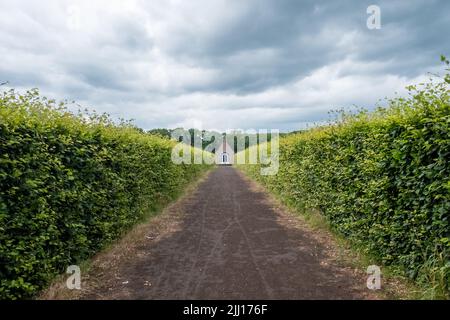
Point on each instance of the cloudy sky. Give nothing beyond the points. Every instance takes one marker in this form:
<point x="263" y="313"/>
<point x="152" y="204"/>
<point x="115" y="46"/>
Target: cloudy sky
<point x="220" y="64"/>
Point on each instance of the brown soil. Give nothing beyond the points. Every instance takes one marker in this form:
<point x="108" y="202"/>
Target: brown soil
<point x="226" y="240"/>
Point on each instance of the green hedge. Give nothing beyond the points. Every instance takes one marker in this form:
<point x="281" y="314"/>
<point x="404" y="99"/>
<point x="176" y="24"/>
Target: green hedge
<point x="69" y="185"/>
<point x="381" y="179"/>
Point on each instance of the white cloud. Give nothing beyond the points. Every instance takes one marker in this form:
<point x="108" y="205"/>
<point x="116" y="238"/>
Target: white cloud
<point x="215" y="64"/>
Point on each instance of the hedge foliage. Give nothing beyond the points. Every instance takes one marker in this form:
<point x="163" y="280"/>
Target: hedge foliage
<point x="381" y="179"/>
<point x="69" y="185"/>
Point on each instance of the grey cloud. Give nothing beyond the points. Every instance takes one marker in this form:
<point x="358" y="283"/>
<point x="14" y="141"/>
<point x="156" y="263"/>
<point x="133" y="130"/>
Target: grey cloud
<point x="164" y="64"/>
<point x="280" y="25"/>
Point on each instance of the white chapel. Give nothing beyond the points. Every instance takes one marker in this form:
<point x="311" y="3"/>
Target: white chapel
<point x="224" y="153"/>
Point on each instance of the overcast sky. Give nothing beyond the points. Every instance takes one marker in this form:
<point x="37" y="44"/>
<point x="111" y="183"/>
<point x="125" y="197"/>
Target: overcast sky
<point x="220" y="64"/>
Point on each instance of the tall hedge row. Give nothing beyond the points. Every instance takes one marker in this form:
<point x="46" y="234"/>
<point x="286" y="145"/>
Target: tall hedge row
<point x="71" y="184"/>
<point x="381" y="179"/>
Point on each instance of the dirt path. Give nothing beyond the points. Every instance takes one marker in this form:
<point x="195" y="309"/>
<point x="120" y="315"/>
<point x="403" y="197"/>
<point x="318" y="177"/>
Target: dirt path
<point x="225" y="241"/>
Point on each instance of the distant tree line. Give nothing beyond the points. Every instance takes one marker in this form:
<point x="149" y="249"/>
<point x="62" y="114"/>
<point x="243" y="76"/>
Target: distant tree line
<point x="232" y="137"/>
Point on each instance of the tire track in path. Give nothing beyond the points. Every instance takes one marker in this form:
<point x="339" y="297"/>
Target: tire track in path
<point x="228" y="241"/>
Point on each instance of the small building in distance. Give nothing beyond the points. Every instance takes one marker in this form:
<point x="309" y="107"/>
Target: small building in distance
<point x="224" y="153"/>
